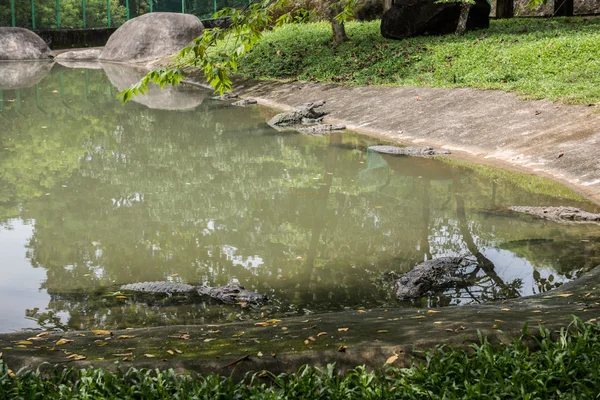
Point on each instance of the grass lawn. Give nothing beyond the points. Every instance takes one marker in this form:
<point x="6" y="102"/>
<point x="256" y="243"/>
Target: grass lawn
<point x="556" y="59"/>
<point x="564" y="366"/>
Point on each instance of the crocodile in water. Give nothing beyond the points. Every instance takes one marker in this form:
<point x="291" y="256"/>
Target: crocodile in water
<point x="409" y="151"/>
<point x="559" y="214"/>
<point x="228" y="294"/>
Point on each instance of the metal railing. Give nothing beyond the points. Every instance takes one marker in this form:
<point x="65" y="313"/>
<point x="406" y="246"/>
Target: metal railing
<point x="82" y="14"/>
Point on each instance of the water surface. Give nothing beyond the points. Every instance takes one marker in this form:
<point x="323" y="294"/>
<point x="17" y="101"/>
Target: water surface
<point x="94" y="194"/>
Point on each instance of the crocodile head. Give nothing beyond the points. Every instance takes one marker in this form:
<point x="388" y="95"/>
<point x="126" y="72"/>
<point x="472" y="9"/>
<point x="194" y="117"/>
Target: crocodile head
<point x="235" y="294"/>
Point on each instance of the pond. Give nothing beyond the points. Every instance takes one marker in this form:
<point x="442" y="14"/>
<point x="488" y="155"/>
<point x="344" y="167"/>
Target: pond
<point x="179" y="187"/>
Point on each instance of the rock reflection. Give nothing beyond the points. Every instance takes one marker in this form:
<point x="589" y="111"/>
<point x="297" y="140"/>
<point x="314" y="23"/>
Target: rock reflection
<point x="22" y="74"/>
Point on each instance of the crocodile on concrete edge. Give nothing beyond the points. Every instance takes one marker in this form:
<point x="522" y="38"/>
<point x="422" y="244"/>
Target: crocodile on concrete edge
<point x="302" y="112"/>
<point x="228" y="294"/>
<point x="558" y="214"/>
<point x="432" y="276"/>
<point x="408" y="151"/>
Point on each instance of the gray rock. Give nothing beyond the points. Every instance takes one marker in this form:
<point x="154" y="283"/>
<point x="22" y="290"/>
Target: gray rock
<point x="320" y="129"/>
<point x="20" y="44"/>
<point x="229" y="294"/>
<point x="433" y="276"/>
<point x="79" y="55"/>
<point x="408" y="151"/>
<point x="91" y="64"/>
<point x="244" y="103"/>
<point x="559" y="214"/>
<point x="180" y="97"/>
<point x="17" y="75"/>
<point x="151" y="36"/>
<point x="294" y="118"/>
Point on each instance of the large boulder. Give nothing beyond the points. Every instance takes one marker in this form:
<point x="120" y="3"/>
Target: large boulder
<point x="22" y="44"/>
<point x="409" y="18"/>
<point x="150" y="37"/>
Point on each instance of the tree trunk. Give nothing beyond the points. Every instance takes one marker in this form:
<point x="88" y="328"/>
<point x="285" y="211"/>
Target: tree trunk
<point x="387" y="4"/>
<point x="462" y="19"/>
<point x="339" y="31"/>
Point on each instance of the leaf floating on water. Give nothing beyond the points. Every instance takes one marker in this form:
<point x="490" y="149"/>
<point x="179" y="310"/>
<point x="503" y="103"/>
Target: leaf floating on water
<point x="24" y="342"/>
<point x="432" y="311"/>
<point x="342" y="348"/>
<point x="342" y="329"/>
<point x="392" y="359"/>
<point x="382" y="331"/>
<point x="125" y="337"/>
<point x="149" y="355"/>
<point x="64" y="341"/>
<point x="42" y="334"/>
<point x="100" y="332"/>
<point x="321" y="334"/>
<point x="171" y="352"/>
<point x="262" y="324"/>
<point x="565" y="295"/>
<point x="505" y="309"/>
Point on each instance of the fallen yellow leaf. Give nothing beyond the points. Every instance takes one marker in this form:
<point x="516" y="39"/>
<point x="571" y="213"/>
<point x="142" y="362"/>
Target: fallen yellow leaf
<point x="420" y="317"/>
<point x="306" y="341"/>
<point x="125" y="337"/>
<point x="237" y="334"/>
<point x="171" y="352"/>
<point x="100" y="332"/>
<point x="123" y="354"/>
<point x="342" y="329"/>
<point x="260" y="354"/>
<point x="24" y="342"/>
<point x="382" y="331"/>
<point x="149" y="355"/>
<point x="392" y="359"/>
<point x="274" y="321"/>
<point x="120" y="297"/>
<point x="64" y="341"/>
<point x="208" y="340"/>
<point x="262" y="324"/>
<point x="432" y="311"/>
<point x="311" y="338"/>
<point x="178" y="351"/>
<point x="505" y="309"/>
<point x="321" y="334"/>
<point x="494" y="326"/>
<point x="342" y="348"/>
<point x="42" y="334"/>
<point x="360" y="311"/>
<point x="565" y="295"/>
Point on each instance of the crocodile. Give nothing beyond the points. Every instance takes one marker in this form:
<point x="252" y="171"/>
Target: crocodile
<point x="408" y="151"/>
<point x="320" y="129"/>
<point x="432" y="276"/>
<point x="229" y="294"/>
<point x="302" y="112"/>
<point x="559" y="214"/>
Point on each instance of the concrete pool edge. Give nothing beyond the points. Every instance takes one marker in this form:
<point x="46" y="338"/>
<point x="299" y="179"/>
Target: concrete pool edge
<point x="552" y="140"/>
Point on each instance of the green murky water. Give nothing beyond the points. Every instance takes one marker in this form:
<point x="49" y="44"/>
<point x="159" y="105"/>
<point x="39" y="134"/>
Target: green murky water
<point x="94" y="194"/>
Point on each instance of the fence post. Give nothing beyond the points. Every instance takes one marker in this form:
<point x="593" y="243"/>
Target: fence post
<point x="183" y="6"/>
<point x="33" y="14"/>
<point x="108" y="12"/>
<point x="12" y="13"/>
<point x="58" y="14"/>
<point x="84" y="14"/>
<point x="214" y="7"/>
<point x="127" y="10"/>
<point x="151" y="5"/>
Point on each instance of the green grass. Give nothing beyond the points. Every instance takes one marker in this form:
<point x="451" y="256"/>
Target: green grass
<point x="556" y="59"/>
<point x="564" y="366"/>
